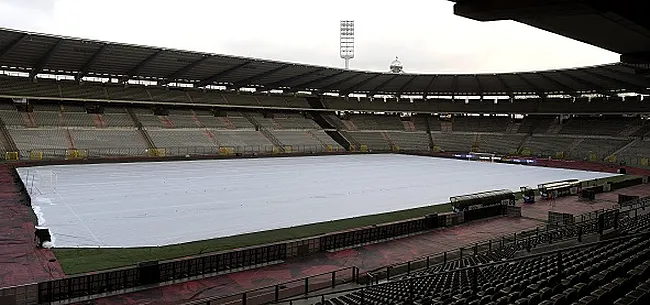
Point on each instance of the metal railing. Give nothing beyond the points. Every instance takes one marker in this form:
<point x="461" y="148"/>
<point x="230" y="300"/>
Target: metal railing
<point x="409" y="282"/>
<point x="276" y="292"/>
<point x="508" y="241"/>
<point x="185" y="151"/>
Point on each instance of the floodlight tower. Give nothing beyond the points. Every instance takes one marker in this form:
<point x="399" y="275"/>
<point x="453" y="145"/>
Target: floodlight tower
<point x="347" y="41"/>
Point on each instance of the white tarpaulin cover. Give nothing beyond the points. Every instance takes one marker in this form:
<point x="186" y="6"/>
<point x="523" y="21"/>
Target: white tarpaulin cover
<point x="159" y="203"/>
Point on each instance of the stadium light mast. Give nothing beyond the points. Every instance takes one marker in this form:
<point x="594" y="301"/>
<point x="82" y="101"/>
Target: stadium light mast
<point x="347" y="41"/>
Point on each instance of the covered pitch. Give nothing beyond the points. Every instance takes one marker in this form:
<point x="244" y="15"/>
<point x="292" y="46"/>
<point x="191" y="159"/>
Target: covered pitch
<point x="160" y="203"/>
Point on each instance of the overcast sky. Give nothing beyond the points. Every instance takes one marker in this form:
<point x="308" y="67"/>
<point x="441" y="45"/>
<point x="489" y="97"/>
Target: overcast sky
<point x="425" y="34"/>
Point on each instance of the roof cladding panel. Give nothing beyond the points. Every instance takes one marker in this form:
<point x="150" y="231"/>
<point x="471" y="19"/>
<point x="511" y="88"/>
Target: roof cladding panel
<point x="375" y="82"/>
<point x="313" y="78"/>
<point x="467" y="84"/>
<point x="22" y="51"/>
<point x="516" y="84"/>
<point x="337" y="78"/>
<point x="29" y="51"/>
<point x="119" y="59"/>
<point x="167" y="62"/>
<point x="622" y="75"/>
<point x="253" y="69"/>
<point x="567" y="81"/>
<point x="419" y="84"/>
<point x="286" y="73"/>
<point x="593" y="79"/>
<point x="541" y="82"/>
<point x="212" y="66"/>
<point x="71" y="55"/>
<point x="396" y="83"/>
<point x="491" y="84"/>
<point x="442" y="85"/>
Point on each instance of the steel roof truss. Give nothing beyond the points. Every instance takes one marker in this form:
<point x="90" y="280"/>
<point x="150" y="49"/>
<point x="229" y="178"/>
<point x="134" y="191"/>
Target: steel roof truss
<point x="566" y="89"/>
<point x="401" y="89"/>
<point x="12" y="44"/>
<point x="138" y="68"/>
<point x="38" y="67"/>
<point x="509" y="91"/>
<point x="599" y="89"/>
<point x="285" y="81"/>
<point x="256" y="77"/>
<point x="223" y="73"/>
<point x="93" y="59"/>
<point x="180" y="72"/>
<point x="354" y="87"/>
<point x="538" y="90"/>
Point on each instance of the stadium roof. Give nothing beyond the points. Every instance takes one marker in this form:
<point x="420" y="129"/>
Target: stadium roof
<point x="620" y="26"/>
<point x="47" y="54"/>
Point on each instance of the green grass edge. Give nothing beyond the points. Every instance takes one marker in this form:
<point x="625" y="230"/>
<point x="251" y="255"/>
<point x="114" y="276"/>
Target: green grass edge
<point x="84" y="260"/>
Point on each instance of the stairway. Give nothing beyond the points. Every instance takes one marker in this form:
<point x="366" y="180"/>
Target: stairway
<point x="6" y="139"/>
<point x="446" y="126"/>
<point x="313" y="136"/>
<point x="388" y="140"/>
<point x="554" y="128"/>
<point x="618" y="151"/>
<point x="513" y="127"/>
<point x="575" y="144"/>
<point x="428" y="126"/>
<point x="227" y="122"/>
<point x="522" y="143"/>
<point x="143" y="132"/>
<point x="349" y="125"/>
<point x="408" y="125"/>
<point x="265" y="132"/>
<point x="330" y="127"/>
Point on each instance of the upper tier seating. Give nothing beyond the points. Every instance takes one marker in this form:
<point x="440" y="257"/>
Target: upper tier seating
<point x="376" y="122"/>
<point x="605" y="126"/>
<point x="480" y="124"/>
<point x="109" y="142"/>
<point x="499" y="143"/>
<point x="373" y="140"/>
<point x="536" y="124"/>
<point x="453" y="142"/>
<point x="418" y="141"/>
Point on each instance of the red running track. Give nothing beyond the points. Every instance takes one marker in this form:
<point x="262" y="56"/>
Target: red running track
<point x="21" y="262"/>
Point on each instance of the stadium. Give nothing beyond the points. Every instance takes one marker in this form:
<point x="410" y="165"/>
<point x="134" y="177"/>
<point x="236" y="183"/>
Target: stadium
<point x="146" y="175"/>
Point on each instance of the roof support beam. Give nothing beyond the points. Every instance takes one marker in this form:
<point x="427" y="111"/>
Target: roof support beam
<point x="38" y="67"/>
<point x="480" y="86"/>
<point x="354" y="87"/>
<point x="249" y="80"/>
<point x="538" y="90"/>
<point x="599" y="89"/>
<point x="337" y="83"/>
<point x="429" y="86"/>
<point x="454" y="87"/>
<point x="180" y="72"/>
<point x="509" y="91"/>
<point x="401" y="89"/>
<point x="310" y="83"/>
<point x="137" y="68"/>
<point x="221" y="74"/>
<point x="11" y="45"/>
<point x="93" y="59"/>
<point x="285" y="81"/>
<point x="374" y="90"/>
<point x="622" y="83"/>
<point x="566" y="89"/>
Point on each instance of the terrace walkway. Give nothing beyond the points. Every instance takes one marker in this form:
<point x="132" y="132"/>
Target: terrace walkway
<point x="21" y="262"/>
<point x="366" y="258"/>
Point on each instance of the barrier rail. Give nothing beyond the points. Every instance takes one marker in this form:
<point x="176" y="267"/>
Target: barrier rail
<point x="99" y="153"/>
<point x="588" y="224"/>
<point x="274" y="293"/>
<point x="322" y="298"/>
